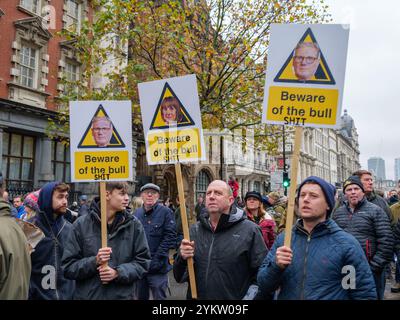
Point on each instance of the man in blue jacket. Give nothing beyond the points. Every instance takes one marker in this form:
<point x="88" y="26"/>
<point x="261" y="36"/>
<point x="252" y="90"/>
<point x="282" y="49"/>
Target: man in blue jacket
<point x="159" y="226"/>
<point x="47" y="277"/>
<point x="324" y="262"/>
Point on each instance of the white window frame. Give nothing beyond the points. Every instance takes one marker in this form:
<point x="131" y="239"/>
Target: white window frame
<point x="71" y="71"/>
<point x="31" y="67"/>
<point x="30" y="5"/>
<point x="74" y="18"/>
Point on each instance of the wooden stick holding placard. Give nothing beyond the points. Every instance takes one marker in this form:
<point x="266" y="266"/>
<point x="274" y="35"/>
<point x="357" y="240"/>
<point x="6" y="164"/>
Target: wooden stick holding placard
<point x="103" y="206"/>
<point x="185" y="227"/>
<point x="293" y="183"/>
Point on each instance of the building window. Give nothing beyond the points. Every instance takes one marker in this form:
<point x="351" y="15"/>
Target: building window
<point x="28" y="59"/>
<point x="31" y="5"/>
<point x="256" y="186"/>
<point x="71" y="75"/>
<point x="60" y="162"/>
<point x="18" y="160"/>
<point x="71" y="71"/>
<point x="73" y="14"/>
<point x="202" y="182"/>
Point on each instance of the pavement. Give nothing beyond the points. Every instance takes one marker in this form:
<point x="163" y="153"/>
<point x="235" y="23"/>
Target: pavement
<point x="178" y="290"/>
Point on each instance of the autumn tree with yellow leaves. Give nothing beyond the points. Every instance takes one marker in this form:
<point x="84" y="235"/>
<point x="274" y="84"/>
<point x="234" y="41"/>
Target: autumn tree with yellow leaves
<point x="223" y="42"/>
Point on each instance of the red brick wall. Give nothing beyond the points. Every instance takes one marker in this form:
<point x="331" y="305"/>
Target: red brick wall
<point x="7" y="36"/>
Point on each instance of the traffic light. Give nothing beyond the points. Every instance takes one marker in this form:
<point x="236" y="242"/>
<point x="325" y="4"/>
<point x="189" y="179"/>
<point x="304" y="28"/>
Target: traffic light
<point x="286" y="180"/>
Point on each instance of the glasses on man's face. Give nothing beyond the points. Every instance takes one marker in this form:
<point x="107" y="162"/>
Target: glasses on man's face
<point x="150" y="192"/>
<point x="307" y="60"/>
<point x="101" y="129"/>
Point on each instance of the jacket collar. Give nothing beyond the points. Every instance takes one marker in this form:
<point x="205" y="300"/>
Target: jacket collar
<point x="226" y="220"/>
<point x="120" y="220"/>
<point x="321" y="229"/>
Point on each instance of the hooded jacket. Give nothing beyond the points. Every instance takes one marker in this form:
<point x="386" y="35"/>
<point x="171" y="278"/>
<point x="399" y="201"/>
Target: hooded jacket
<point x="15" y="263"/>
<point x="371" y="227"/>
<point x="225" y="260"/>
<point x="47" y="279"/>
<point x="317" y="270"/>
<point x="130" y="255"/>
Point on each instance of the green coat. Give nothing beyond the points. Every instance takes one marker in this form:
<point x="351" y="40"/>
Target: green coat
<point x="15" y="262"/>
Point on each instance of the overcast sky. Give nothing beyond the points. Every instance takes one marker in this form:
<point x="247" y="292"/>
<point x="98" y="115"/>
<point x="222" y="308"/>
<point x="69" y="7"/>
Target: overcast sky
<point x="372" y="83"/>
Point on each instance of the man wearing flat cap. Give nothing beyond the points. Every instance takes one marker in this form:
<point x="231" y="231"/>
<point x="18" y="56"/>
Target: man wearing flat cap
<point x="159" y="226"/>
<point x="312" y="267"/>
<point x="369" y="224"/>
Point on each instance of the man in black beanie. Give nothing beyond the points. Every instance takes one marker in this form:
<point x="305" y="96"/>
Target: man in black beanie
<point x="323" y="262"/>
<point x="369" y="224"/>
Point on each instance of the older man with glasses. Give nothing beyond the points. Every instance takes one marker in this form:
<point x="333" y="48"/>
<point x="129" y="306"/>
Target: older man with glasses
<point x="306" y="60"/>
<point x="159" y="226"/>
<point x="102" y="129"/>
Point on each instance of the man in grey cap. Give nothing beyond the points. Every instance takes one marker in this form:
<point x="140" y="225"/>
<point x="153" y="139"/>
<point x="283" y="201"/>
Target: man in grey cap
<point x="159" y="226"/>
<point x="83" y="205"/>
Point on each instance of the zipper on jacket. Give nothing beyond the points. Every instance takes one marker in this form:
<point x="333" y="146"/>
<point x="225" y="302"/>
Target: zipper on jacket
<point x="305" y="267"/>
<point x="56" y="275"/>
<point x="209" y="259"/>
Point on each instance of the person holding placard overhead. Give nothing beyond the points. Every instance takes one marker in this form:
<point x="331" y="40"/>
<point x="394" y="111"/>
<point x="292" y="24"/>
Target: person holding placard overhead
<point x="110" y="272"/>
<point x="323" y="262"/>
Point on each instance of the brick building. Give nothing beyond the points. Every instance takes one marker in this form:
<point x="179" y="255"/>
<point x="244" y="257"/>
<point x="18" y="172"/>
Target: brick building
<point x="33" y="61"/>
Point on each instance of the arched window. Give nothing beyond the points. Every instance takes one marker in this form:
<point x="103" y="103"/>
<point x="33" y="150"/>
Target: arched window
<point x="202" y="182"/>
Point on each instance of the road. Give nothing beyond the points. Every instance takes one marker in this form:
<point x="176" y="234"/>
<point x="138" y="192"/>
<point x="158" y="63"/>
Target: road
<point x="178" y="291"/>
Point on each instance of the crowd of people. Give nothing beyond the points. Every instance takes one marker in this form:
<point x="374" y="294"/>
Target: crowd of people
<point x="343" y="243"/>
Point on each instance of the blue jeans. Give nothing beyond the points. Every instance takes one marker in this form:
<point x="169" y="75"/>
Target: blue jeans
<point x="380" y="282"/>
<point x="156" y="283"/>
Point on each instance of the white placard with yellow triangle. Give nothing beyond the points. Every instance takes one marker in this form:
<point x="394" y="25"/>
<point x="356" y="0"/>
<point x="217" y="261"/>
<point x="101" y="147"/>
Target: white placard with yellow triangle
<point x="312" y="94"/>
<point x="175" y="136"/>
<point x="91" y="162"/>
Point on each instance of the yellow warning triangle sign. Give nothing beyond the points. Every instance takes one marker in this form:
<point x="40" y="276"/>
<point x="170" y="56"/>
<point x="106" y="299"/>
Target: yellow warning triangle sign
<point x="106" y="135"/>
<point x="307" y="72"/>
<point x="170" y="111"/>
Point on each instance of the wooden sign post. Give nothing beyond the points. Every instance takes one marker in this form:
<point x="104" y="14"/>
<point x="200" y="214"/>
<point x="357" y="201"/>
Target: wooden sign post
<point x="304" y="85"/>
<point x="292" y="190"/>
<point x="185" y="227"/>
<point x="103" y="205"/>
<point x="176" y="137"/>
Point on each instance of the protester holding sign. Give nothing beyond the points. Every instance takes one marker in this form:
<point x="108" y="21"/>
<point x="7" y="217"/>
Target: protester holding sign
<point x="110" y="272"/>
<point x="324" y="262"/>
<point x="227" y="249"/>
